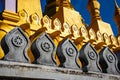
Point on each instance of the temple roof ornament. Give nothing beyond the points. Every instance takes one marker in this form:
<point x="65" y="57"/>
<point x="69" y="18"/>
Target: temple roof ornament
<point x="66" y="3"/>
<point x="117" y="15"/>
<point x="94" y="8"/>
<point x="97" y="24"/>
<point x="116" y="5"/>
<point x="117" y="9"/>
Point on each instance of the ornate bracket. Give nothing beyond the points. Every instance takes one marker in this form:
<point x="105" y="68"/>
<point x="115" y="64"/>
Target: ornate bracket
<point x="15" y="45"/>
<point x="84" y="34"/>
<point x="99" y="42"/>
<point x="65" y="31"/>
<point x="68" y="55"/>
<point x="108" y="61"/>
<point x="92" y="36"/>
<point x="43" y="49"/>
<point x="89" y="58"/>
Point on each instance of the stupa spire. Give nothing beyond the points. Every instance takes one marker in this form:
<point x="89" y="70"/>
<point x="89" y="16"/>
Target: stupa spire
<point x="117" y="9"/>
<point x="117" y="15"/>
<point x="66" y="3"/>
<point x="96" y="21"/>
<point x="116" y="5"/>
<point x="94" y="9"/>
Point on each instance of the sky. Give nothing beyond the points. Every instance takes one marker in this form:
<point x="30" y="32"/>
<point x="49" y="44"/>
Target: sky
<point x="106" y="11"/>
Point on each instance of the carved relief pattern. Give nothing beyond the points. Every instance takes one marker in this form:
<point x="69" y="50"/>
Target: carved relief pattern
<point x="43" y="49"/>
<point x="15" y="45"/>
<point x="68" y="55"/>
<point x="18" y="40"/>
<point x="45" y="46"/>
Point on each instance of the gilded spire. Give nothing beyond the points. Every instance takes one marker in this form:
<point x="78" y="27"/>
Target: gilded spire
<point x="117" y="15"/>
<point x="117" y="9"/>
<point x="94" y="7"/>
<point x="66" y="3"/>
<point x="96" y="21"/>
<point x="116" y="5"/>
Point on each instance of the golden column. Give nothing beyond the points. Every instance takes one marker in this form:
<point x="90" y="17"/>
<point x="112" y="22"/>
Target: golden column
<point x="96" y="21"/>
<point x="117" y="15"/>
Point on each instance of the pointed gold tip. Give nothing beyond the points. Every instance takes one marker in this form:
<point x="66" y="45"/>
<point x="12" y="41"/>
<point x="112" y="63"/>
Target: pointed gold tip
<point x="116" y="5"/>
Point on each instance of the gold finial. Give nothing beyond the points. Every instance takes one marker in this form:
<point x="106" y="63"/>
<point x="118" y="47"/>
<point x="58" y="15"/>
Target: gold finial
<point x="116" y="5"/>
<point x="94" y="7"/>
<point x="117" y="9"/>
<point x="117" y="16"/>
<point x="96" y="21"/>
<point x="66" y="3"/>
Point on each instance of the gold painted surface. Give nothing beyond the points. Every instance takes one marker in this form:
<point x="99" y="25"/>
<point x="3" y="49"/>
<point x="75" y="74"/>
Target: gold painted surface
<point x="70" y="16"/>
<point x="31" y="6"/>
<point x="101" y="26"/>
<point x="73" y="17"/>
